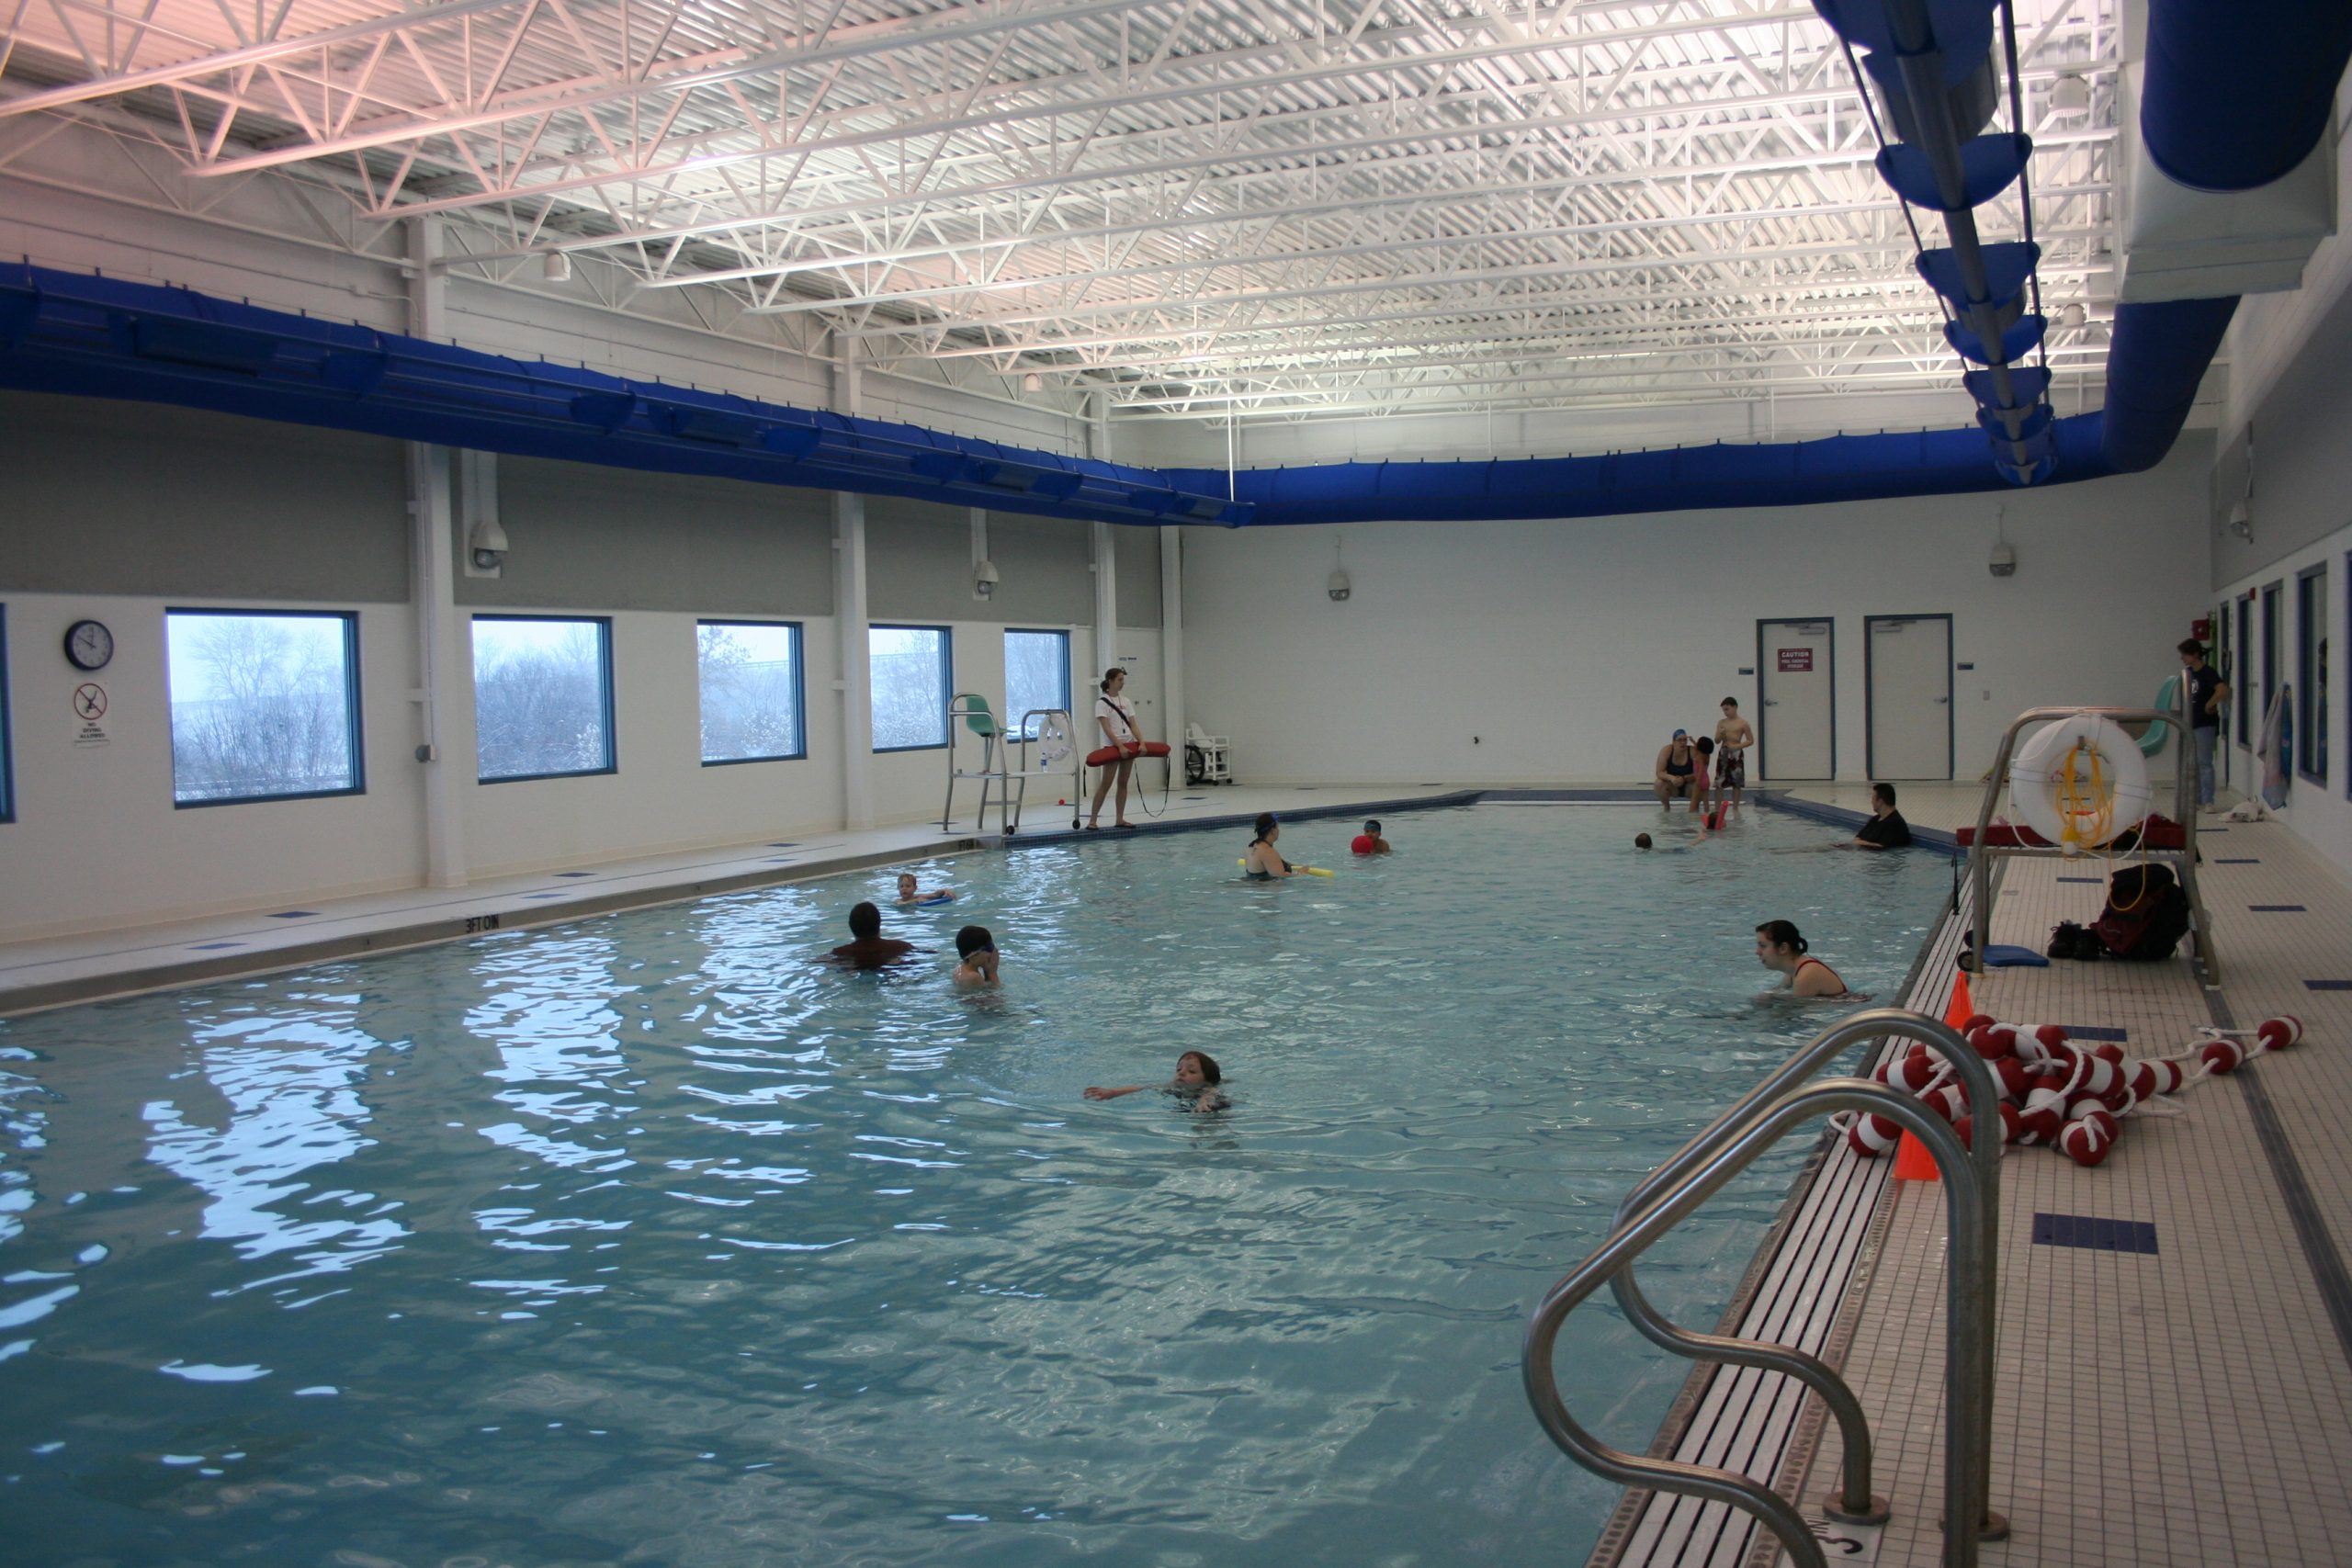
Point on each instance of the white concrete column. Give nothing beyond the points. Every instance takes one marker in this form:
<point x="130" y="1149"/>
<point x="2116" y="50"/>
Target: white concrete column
<point x="1171" y="633"/>
<point x="856" y="683"/>
<point x="1106" y="600"/>
<point x="443" y="677"/>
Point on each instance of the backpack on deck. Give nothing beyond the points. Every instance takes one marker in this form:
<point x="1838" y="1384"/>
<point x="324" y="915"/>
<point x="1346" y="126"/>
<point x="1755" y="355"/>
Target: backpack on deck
<point x="2146" y="914"/>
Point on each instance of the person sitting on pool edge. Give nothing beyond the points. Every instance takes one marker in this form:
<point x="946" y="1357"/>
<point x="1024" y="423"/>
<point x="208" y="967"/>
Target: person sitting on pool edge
<point x="977" y="948"/>
<point x="909" y="893"/>
<point x="1886" y="830"/>
<point x="1197" y="1078"/>
<point x="870" y="949"/>
<point x="1261" y="864"/>
<point x="1368" y="841"/>
<point x="1674" y="776"/>
<point x="1778" y="947"/>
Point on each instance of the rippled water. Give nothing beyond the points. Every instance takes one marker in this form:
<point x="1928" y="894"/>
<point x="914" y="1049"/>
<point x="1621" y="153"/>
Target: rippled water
<point x="648" y="1240"/>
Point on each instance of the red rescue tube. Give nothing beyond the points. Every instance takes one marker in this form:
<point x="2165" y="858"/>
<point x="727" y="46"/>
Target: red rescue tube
<point x="1104" y="756"/>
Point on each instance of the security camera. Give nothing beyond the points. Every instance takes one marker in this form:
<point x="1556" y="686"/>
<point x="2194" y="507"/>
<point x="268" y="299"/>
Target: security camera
<point x="487" y="540"/>
<point x="984" y="580"/>
<point x="1340" y="587"/>
<point x="2004" y="562"/>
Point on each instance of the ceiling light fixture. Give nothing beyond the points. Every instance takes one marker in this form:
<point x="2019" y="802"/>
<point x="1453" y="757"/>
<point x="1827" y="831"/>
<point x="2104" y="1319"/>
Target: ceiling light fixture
<point x="2071" y="94"/>
<point x="555" y="266"/>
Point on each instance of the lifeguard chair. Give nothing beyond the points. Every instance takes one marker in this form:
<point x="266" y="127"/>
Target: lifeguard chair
<point x="1007" y="758"/>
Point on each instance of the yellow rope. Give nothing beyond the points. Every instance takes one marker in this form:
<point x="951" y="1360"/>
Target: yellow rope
<point x="2080" y="798"/>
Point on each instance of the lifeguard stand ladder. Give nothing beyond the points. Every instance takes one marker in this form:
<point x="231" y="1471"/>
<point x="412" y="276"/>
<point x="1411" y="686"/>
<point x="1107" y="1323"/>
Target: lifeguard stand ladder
<point x="1006" y="759"/>
<point x="2183" y="860"/>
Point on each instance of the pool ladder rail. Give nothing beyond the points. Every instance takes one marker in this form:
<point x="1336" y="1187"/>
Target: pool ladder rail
<point x="1701" y="1168"/>
<point x="1981" y="854"/>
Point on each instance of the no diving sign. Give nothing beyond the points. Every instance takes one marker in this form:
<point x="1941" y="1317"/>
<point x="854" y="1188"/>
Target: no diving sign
<point x="89" y="714"/>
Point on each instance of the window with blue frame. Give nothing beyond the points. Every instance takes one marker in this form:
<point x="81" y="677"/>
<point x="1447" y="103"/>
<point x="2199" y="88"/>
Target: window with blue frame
<point x="912" y="673"/>
<point x="750" y="682"/>
<point x="2311" y="672"/>
<point x="1036" y="675"/>
<point x="2243" y="693"/>
<point x="543" y="697"/>
<point x="264" y="704"/>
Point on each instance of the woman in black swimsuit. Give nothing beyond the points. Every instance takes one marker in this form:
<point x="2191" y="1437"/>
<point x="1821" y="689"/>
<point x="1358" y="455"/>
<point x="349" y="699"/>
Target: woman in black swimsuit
<point x="1676" y="774"/>
<point x="1262" y="864"/>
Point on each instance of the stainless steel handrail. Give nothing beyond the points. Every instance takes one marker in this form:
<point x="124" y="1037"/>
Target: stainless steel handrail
<point x="1968" y="1319"/>
<point x="1854" y="1501"/>
<point x="1981" y="854"/>
<point x="1703" y="1165"/>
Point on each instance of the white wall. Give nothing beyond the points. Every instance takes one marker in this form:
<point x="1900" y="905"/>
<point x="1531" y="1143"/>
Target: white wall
<point x="118" y="510"/>
<point x="97" y="841"/>
<point x="1571" y="650"/>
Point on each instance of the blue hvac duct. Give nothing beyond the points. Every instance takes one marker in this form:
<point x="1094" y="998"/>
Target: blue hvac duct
<point x="108" y="338"/>
<point x="2238" y="95"/>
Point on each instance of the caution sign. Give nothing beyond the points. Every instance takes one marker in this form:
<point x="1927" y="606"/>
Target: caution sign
<point x="1795" y="660"/>
<point x="89" y="714"/>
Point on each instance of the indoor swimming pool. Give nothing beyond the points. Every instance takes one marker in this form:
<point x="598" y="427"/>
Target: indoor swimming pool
<point x="650" y="1239"/>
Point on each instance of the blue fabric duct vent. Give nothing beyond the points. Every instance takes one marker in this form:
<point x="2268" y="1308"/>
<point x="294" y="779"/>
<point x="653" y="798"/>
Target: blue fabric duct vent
<point x="1931" y="62"/>
<point x="104" y="337"/>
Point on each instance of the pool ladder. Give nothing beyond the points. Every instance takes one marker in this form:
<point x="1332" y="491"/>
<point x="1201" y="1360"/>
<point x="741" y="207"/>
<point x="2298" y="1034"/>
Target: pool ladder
<point x="1701" y="1167"/>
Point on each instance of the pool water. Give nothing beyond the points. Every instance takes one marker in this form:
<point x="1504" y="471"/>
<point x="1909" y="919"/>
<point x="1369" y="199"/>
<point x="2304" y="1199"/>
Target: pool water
<point x="646" y="1239"/>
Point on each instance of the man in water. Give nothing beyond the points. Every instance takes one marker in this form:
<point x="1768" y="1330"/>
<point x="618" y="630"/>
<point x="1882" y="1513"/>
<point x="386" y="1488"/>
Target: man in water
<point x="1886" y="830"/>
<point x="870" y="949"/>
<point x="1368" y="841"/>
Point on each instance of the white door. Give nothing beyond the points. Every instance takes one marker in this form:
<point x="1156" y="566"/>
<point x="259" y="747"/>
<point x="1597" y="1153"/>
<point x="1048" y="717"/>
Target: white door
<point x="1138" y="655"/>
<point x="1796" y="728"/>
<point x="1909" y="674"/>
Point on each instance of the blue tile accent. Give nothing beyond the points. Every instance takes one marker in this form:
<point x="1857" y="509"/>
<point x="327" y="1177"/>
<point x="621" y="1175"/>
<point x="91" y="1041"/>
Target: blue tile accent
<point x="2202" y="831"/>
<point x="2239" y="860"/>
<point x="787" y="844"/>
<point x="2277" y="908"/>
<point x="2099" y="1235"/>
<point x="575" y="873"/>
<point x="295" y="915"/>
<point x="2328" y="985"/>
<point x="2097" y="1031"/>
<point x="2094" y="881"/>
<point x="213" y="946"/>
<point x="544" y="894"/>
<point x="782" y="860"/>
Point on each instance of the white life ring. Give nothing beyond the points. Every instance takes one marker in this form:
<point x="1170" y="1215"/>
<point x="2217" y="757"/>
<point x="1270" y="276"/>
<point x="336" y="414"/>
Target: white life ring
<point x="1054" y="743"/>
<point x="2079" y="782"/>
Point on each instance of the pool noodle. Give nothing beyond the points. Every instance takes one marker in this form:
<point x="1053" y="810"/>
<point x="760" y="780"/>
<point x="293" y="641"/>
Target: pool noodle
<point x="1295" y="870"/>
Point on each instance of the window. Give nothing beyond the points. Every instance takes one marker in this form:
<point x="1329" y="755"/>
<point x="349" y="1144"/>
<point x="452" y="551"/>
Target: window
<point x="912" y="677"/>
<point x="2269" y="651"/>
<point x="2243" y="693"/>
<point x="1036" y="675"/>
<point x="751" y="691"/>
<point x="543" y="697"/>
<point x="2311" y="672"/>
<point x="7" y="784"/>
<point x="264" y="704"/>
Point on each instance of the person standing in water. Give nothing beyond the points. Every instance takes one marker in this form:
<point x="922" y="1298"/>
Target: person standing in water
<point x="1780" y="947"/>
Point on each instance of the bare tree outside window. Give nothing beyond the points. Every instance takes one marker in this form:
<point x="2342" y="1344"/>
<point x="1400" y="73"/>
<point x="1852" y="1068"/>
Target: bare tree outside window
<point x="910" y="675"/>
<point x="263" y="706"/>
<point x="751" y="691"/>
<point x="540" y="697"/>
<point x="1036" y="675"/>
